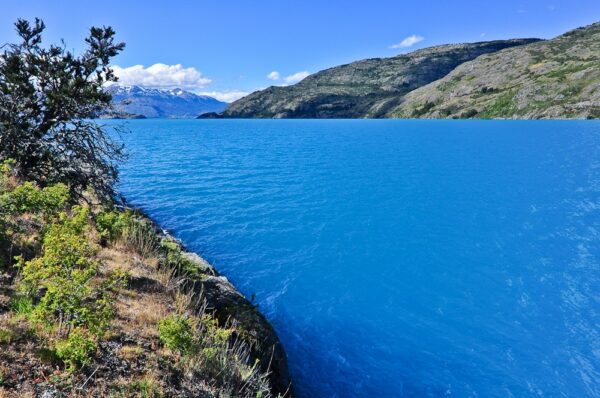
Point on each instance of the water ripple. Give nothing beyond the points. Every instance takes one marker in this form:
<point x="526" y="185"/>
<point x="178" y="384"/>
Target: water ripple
<point x="397" y="258"/>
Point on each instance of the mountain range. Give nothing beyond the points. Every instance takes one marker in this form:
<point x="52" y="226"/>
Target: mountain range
<point x="519" y="78"/>
<point x="140" y="102"/>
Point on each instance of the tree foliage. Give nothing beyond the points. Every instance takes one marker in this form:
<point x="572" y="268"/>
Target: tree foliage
<point x="48" y="96"/>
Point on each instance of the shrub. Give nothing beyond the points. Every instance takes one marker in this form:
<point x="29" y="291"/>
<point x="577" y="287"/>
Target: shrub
<point x="113" y="224"/>
<point x="420" y="111"/>
<point x="137" y="233"/>
<point x="215" y="344"/>
<point x="27" y="197"/>
<point x="177" y="333"/>
<point x="17" y="199"/>
<point x="140" y="236"/>
<point x="18" y="235"/>
<point x="76" y="349"/>
<point x="63" y="275"/>
<point x="6" y="171"/>
<point x="70" y="300"/>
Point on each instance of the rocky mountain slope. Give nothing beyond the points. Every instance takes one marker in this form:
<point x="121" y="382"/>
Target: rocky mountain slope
<point x="135" y="101"/>
<point x="366" y="88"/>
<point x="558" y="78"/>
<point x="526" y="79"/>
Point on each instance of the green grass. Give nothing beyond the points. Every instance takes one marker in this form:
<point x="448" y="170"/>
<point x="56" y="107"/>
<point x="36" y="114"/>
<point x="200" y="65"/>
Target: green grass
<point x="6" y="336"/>
<point x="561" y="74"/>
<point x="504" y="106"/>
<point x="22" y="306"/>
<point x="146" y="387"/>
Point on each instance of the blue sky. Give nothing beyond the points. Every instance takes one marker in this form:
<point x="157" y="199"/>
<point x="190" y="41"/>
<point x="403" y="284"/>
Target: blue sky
<point x="231" y="46"/>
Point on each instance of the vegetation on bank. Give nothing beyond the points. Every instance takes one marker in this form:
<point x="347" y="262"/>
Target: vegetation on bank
<point x="74" y="271"/>
<point x="94" y="301"/>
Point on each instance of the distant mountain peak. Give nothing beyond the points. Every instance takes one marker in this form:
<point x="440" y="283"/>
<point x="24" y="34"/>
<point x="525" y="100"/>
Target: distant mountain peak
<point x="160" y="102"/>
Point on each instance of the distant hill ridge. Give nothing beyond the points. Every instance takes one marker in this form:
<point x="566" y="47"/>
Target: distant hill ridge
<point x="520" y="78"/>
<point x="136" y="101"/>
<point x="552" y="79"/>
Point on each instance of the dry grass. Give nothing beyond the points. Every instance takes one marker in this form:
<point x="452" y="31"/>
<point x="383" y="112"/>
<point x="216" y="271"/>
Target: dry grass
<point x="29" y="393"/>
<point x="116" y="258"/>
<point x="156" y="289"/>
<point x="140" y="315"/>
<point x="147" y="386"/>
<point x="130" y="353"/>
<point x="138" y="312"/>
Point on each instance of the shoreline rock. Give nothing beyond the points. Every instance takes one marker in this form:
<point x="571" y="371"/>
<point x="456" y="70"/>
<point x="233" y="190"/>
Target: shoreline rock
<point x="228" y="304"/>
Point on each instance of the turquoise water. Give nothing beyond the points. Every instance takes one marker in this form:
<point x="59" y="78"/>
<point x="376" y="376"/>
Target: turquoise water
<point x="396" y="258"/>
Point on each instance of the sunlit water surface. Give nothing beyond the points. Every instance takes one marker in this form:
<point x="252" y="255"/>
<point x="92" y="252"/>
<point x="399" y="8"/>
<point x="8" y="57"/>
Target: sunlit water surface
<point x="396" y="258"/>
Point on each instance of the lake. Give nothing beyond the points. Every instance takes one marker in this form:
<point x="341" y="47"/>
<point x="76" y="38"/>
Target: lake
<point x="396" y="258"/>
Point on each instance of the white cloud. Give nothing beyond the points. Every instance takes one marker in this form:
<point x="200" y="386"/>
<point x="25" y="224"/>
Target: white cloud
<point x="161" y="76"/>
<point x="226" y="96"/>
<point x="296" y="77"/>
<point x="273" y="75"/>
<point x="408" y="42"/>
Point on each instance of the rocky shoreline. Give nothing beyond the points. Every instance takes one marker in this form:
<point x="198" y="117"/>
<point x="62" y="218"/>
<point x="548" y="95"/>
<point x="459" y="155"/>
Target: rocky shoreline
<point x="175" y="327"/>
<point x="228" y="304"/>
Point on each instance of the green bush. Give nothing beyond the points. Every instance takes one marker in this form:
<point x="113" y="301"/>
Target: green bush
<point x="113" y="224"/>
<point x="77" y="349"/>
<point x="70" y="300"/>
<point x="177" y="333"/>
<point x="18" y="199"/>
<point x="29" y="198"/>
<point x="137" y="233"/>
<point x="214" y="352"/>
<point x="62" y="277"/>
<point x="6" y="168"/>
<point x="420" y="111"/>
<point x="215" y="344"/>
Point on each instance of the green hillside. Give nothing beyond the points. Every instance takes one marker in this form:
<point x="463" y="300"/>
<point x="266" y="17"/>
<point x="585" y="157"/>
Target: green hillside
<point x="558" y="78"/>
<point x="367" y="88"/>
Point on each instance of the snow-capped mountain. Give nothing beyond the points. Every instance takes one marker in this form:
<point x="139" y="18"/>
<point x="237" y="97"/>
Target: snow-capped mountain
<point x="157" y="103"/>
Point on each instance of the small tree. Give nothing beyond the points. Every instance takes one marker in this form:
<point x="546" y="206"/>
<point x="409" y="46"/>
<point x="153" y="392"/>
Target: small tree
<point x="47" y="98"/>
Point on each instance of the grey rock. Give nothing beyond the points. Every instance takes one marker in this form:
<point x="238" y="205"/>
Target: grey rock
<point x="522" y="78"/>
<point x="366" y="88"/>
<point x="558" y="78"/>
